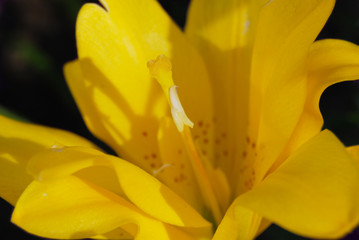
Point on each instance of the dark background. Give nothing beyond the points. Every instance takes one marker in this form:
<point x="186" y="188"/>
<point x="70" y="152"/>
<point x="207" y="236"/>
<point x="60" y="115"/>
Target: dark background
<point x="37" y="38"/>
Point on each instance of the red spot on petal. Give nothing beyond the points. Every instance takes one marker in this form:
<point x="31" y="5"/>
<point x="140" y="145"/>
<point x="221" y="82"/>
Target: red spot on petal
<point x="205" y="141"/>
<point x="146" y="157"/>
<point x="179" y="151"/>
<point x="144" y="134"/>
<point x="153" y="155"/>
<point x="244" y="154"/>
<point x="224" y="135"/>
<point x="153" y="165"/>
<point x="200" y="123"/>
<point x="225" y="153"/>
<point x="204" y="132"/>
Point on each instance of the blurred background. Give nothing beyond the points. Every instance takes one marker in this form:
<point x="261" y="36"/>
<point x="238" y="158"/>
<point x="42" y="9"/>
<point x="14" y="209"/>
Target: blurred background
<point x="37" y="38"/>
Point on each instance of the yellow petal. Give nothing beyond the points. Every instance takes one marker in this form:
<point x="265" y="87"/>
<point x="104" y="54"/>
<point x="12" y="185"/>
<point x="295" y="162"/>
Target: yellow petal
<point x="330" y="61"/>
<point x="142" y="189"/>
<point x="264" y="224"/>
<point x="221" y="187"/>
<point x="124" y="120"/>
<point x="118" y="233"/>
<point x="314" y="193"/>
<point x="354" y="153"/>
<point x="223" y="31"/>
<point x="72" y="208"/>
<point x="20" y="141"/>
<point x="175" y="169"/>
<point x="145" y="23"/>
<point x="119" y="100"/>
<point x="285" y="32"/>
<point x="239" y="223"/>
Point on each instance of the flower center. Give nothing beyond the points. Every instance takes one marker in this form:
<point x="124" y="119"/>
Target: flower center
<point x="161" y="70"/>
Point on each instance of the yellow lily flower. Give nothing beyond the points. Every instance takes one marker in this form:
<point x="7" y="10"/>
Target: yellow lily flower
<point x="249" y="78"/>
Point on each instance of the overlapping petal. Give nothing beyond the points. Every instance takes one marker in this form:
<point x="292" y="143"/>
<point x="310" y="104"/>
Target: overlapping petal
<point x="314" y="193"/>
<point x="73" y="208"/>
<point x="239" y="223"/>
<point x="32" y="139"/>
<point x="260" y="63"/>
<point x="285" y="33"/>
<point x="142" y="189"/>
<point x="330" y="61"/>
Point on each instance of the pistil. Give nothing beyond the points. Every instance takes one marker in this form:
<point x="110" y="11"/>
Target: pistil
<point x="161" y="70"/>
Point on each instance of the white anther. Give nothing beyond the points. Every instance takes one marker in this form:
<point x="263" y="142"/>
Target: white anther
<point x="155" y="172"/>
<point x="179" y="116"/>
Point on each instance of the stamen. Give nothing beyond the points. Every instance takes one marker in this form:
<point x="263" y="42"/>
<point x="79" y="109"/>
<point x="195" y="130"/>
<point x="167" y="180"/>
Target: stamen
<point x="202" y="177"/>
<point x="161" y="70"/>
<point x="179" y="116"/>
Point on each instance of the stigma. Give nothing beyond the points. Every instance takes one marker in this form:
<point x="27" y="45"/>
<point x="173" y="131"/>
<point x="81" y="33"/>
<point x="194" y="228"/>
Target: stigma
<point x="161" y="70"/>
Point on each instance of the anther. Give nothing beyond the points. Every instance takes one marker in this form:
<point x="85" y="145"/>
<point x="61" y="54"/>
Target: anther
<point x="179" y="116"/>
<point x="155" y="172"/>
